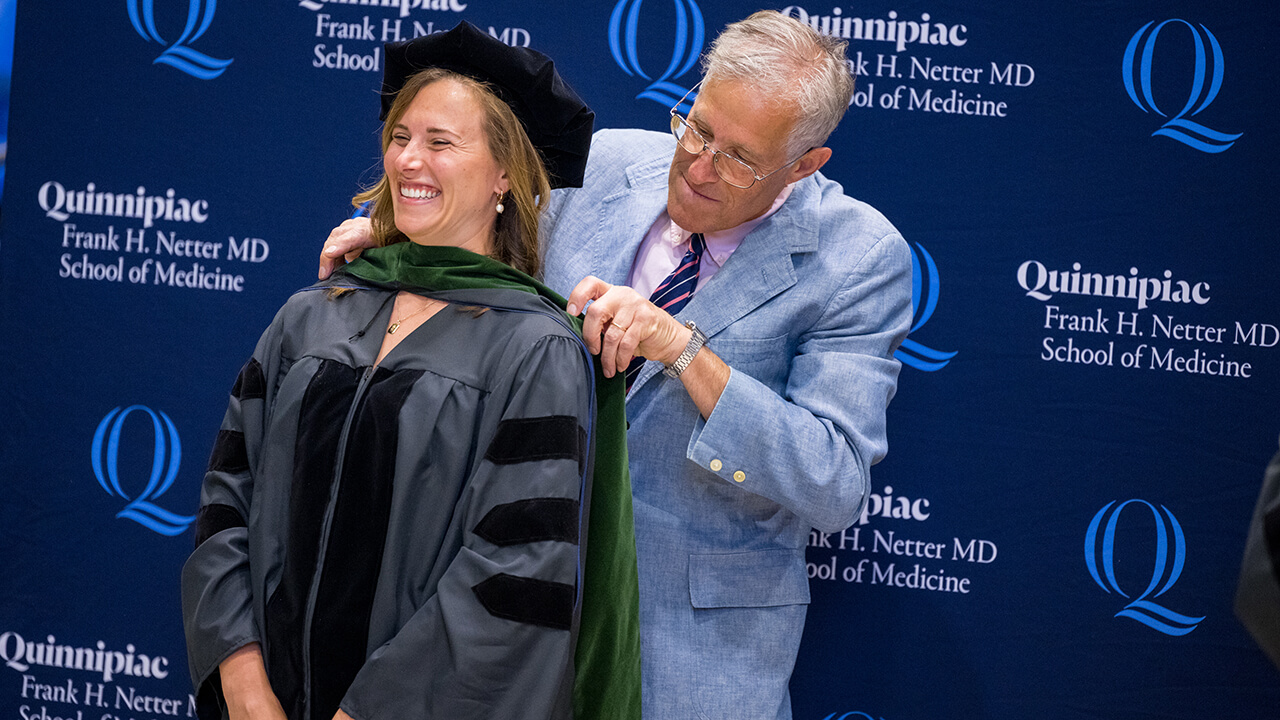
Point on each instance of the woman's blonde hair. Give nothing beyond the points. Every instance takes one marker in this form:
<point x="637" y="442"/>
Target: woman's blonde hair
<point x="516" y="232"/>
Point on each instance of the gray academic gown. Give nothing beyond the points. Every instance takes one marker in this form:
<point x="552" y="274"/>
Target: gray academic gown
<point x="402" y="541"/>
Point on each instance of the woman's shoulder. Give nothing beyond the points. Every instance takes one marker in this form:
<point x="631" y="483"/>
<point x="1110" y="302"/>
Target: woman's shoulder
<point x="523" y="328"/>
<point x="325" y="303"/>
<point x="533" y="325"/>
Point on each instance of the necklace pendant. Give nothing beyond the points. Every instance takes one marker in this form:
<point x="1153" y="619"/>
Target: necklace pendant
<point x="394" y="327"/>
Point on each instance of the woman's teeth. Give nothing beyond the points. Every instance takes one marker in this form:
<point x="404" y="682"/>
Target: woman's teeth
<point x="418" y="193"/>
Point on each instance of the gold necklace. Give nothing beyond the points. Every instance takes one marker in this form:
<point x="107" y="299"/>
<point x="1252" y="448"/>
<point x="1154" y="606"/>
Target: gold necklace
<point x="395" y="325"/>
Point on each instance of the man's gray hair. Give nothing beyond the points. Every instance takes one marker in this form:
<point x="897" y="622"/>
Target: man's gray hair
<point x="784" y="59"/>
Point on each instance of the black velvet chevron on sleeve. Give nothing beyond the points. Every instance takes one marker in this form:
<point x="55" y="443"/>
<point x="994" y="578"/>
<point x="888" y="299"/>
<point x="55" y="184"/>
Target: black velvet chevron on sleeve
<point x="250" y="383"/>
<point x="229" y="453"/>
<point x="542" y="438"/>
<point x="1271" y="531"/>
<point x="531" y="520"/>
<point x="213" y="519"/>
<point x="527" y="600"/>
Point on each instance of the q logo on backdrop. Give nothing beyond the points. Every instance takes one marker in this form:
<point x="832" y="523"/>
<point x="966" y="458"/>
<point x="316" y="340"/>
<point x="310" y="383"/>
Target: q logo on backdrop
<point x="166" y="458"/>
<point x="925" y="286"/>
<point x="686" y="48"/>
<point x="849" y="716"/>
<point x="1170" y="556"/>
<point x="177" y="54"/>
<point x="1138" y="68"/>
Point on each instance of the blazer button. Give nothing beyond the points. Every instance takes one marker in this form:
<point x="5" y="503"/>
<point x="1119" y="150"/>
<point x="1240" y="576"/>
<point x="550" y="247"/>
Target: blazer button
<point x="716" y="465"/>
<point x="739" y="476"/>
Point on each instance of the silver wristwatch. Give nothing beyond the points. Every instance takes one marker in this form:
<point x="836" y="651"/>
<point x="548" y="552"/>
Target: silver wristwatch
<point x="696" y="341"/>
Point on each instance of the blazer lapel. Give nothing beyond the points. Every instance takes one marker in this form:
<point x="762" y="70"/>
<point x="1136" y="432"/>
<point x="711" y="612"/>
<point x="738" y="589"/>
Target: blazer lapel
<point x="624" y="217"/>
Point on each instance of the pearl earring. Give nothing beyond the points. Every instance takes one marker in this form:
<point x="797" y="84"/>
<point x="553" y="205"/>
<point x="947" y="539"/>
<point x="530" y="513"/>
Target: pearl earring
<point x="500" y="208"/>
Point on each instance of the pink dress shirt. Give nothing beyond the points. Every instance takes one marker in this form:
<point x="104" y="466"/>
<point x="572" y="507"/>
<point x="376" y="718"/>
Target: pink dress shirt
<point x="666" y="243"/>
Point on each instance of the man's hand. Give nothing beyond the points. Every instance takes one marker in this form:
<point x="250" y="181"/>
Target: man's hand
<point x="345" y="244"/>
<point x="246" y="688"/>
<point x="621" y="325"/>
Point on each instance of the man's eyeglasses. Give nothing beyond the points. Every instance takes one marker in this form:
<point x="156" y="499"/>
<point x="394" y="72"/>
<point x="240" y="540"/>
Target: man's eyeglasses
<point x="730" y="169"/>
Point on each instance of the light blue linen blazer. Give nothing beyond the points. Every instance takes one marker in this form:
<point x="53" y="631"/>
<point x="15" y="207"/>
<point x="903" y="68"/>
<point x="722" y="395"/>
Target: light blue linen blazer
<point x="807" y="313"/>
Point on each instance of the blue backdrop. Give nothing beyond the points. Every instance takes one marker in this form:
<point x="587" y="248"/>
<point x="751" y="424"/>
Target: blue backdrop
<point x="1086" y="404"/>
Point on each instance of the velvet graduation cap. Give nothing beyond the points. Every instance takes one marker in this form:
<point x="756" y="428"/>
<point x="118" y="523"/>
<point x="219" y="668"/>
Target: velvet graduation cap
<point x="557" y="121"/>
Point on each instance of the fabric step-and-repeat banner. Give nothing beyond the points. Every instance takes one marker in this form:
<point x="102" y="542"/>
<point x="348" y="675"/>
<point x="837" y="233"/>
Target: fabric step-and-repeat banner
<point x="1087" y="400"/>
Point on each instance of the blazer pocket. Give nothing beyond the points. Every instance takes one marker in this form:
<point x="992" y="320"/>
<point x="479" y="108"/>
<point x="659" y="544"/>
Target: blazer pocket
<point x="763" y="578"/>
<point x="749" y="349"/>
<point x="765" y="359"/>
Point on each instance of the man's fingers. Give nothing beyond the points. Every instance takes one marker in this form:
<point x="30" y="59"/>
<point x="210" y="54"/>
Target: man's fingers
<point x="327" y="266"/>
<point x="627" y="328"/>
<point x="593" y="326"/>
<point x="350" y="235"/>
<point x="609" y="348"/>
<point x="619" y="341"/>
<point x="616" y="324"/>
<point x="345" y="243"/>
<point x="591" y="288"/>
<point x="627" y="345"/>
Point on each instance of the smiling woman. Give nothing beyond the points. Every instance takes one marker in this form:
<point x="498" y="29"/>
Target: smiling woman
<point x="393" y="522"/>
<point x="446" y="143"/>
<point x="441" y="172"/>
<point x="452" y="150"/>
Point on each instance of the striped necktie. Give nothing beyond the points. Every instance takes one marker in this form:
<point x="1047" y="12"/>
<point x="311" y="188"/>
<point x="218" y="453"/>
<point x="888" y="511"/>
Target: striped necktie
<point x="673" y="293"/>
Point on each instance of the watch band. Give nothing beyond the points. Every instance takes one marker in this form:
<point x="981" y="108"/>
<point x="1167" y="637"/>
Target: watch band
<point x="696" y="341"/>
